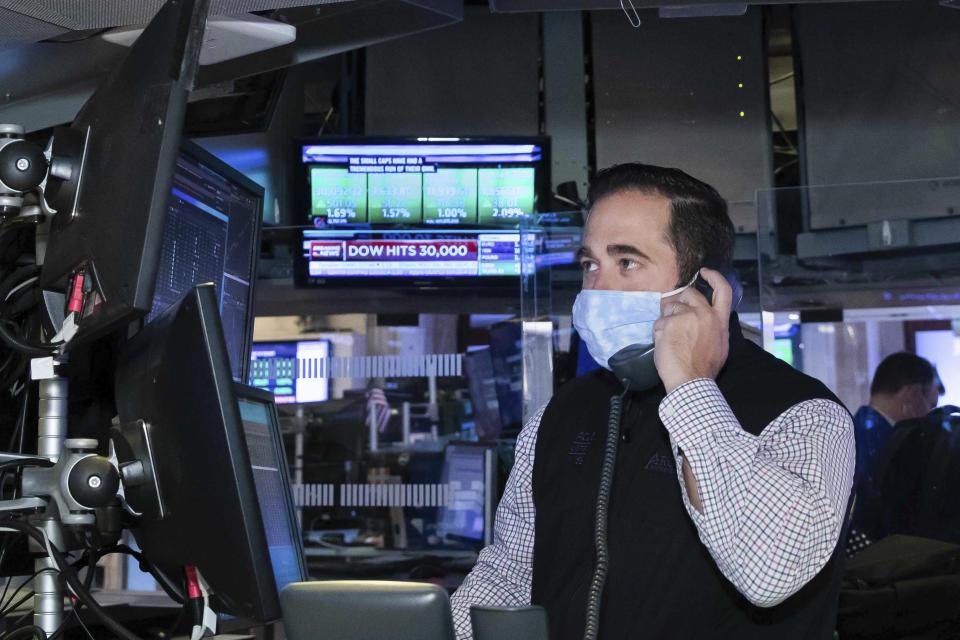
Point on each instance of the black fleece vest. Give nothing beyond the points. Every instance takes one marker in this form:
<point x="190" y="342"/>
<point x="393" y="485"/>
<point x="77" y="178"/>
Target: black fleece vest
<point x="662" y="582"/>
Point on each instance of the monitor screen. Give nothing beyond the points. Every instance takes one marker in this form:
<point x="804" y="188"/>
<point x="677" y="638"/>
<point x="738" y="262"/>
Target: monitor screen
<point x="292" y="371"/>
<point x="421" y="208"/>
<point x="273" y="490"/>
<point x="268" y="463"/>
<point x="428" y="181"/>
<point x="342" y="252"/>
<point x="211" y="234"/>
<point x="179" y="417"/>
<point x="467" y="471"/>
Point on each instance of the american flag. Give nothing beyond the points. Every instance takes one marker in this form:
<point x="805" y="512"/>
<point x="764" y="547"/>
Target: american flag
<point x="378" y="409"/>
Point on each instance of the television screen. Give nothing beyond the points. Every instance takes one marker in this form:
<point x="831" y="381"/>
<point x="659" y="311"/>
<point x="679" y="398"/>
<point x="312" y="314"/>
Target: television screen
<point x="416" y="207"/>
<point x="428" y="181"/>
<point x="375" y="253"/>
<point x="293" y="371"/>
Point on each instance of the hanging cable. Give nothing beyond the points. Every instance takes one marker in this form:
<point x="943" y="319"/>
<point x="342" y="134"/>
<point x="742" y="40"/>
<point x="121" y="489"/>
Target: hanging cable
<point x="595" y="594"/>
<point x="18" y="277"/>
<point x="175" y="591"/>
<point x="26" y="283"/>
<point x="89" y="559"/>
<point x="25" y="633"/>
<point x="34" y="349"/>
<point x="73" y="581"/>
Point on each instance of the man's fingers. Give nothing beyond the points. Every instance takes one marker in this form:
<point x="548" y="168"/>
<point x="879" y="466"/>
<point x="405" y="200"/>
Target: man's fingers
<point x="690" y="297"/>
<point x="722" y="293"/>
<point x="673" y="305"/>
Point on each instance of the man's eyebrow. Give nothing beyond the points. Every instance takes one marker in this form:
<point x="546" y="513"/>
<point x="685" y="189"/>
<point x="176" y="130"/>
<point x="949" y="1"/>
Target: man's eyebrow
<point x="582" y="253"/>
<point x="625" y="250"/>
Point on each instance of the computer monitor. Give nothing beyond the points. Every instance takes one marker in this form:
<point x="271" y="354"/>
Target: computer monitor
<point x="292" y="371"/>
<point x="180" y="418"/>
<point x="211" y="233"/>
<point x="469" y="474"/>
<point x="268" y="462"/>
<point x="121" y="150"/>
<point x="271" y="477"/>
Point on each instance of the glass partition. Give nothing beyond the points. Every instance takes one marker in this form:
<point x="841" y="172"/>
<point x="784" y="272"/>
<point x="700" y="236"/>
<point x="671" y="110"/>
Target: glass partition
<point x="848" y="275"/>
<point x="401" y="398"/>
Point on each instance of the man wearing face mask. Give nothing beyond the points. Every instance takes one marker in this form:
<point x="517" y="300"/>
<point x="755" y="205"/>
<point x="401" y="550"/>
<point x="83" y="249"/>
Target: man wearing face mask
<point x="733" y="471"/>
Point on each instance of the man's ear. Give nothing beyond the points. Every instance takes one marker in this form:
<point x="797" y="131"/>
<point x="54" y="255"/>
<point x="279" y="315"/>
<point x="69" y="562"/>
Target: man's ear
<point x="912" y="399"/>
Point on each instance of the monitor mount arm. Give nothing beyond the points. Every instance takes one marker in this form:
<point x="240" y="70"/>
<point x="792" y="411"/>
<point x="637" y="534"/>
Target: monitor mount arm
<point x="80" y="490"/>
<point x="53" y="172"/>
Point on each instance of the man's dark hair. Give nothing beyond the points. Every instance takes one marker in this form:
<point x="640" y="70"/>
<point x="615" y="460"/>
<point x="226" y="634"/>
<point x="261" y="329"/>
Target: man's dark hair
<point x="700" y="229"/>
<point x="900" y="369"/>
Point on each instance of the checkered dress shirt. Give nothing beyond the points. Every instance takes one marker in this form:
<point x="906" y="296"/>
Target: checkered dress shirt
<point x="773" y="504"/>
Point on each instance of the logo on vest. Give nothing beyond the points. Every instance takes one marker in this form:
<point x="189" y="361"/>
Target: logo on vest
<point x="660" y="463"/>
<point x="581" y="443"/>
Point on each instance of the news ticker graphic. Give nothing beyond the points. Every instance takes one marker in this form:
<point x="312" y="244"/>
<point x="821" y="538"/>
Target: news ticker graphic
<point x="413" y="250"/>
<point x="483" y="254"/>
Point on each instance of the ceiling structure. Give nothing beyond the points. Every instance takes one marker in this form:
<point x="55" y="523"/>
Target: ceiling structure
<point x="28" y="21"/>
<point x="53" y="53"/>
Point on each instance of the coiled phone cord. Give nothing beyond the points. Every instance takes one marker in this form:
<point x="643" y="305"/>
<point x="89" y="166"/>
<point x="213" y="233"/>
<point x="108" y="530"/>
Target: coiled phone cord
<point x="594" y="596"/>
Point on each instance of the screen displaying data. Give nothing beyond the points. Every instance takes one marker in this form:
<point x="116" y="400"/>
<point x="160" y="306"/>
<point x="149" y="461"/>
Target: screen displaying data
<point x="335" y="253"/>
<point x="422" y="183"/>
<point x="273" y="491"/>
<point x="292" y="371"/>
<point x="209" y="235"/>
<point x="465" y="473"/>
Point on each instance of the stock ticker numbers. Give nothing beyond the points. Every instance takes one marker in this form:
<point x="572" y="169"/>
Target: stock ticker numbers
<point x="450" y="197"/>
<point x="505" y="194"/>
<point x="338" y="195"/>
<point x="389" y="193"/>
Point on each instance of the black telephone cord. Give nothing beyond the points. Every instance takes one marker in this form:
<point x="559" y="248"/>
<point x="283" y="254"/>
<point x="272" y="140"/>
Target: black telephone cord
<point x="594" y="596"/>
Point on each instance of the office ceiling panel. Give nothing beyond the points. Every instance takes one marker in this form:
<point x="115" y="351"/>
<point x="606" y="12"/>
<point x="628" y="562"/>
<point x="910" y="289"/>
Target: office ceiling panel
<point x="17" y="29"/>
<point x="33" y="20"/>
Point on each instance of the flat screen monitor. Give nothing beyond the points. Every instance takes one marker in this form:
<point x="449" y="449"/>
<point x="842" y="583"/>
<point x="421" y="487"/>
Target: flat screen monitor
<point x="345" y="253"/>
<point x="291" y="371"/>
<point x="211" y="233"/>
<point x="430" y="181"/>
<point x="123" y="144"/>
<point x="416" y="208"/>
<point x="180" y="418"/>
<point x="268" y="462"/>
<point x="468" y="472"/>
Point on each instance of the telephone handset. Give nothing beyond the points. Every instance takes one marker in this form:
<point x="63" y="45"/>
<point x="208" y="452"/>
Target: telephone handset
<point x="634" y="364"/>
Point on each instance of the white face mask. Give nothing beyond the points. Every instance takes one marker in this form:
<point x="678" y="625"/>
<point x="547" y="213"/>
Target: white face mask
<point x="608" y="321"/>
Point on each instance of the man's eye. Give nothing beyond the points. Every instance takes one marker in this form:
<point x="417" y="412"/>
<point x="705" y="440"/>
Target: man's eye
<point x="627" y="263"/>
<point x="586" y="265"/>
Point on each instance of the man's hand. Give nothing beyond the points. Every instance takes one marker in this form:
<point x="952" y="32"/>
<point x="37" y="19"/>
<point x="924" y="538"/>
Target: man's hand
<point x="691" y="336"/>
